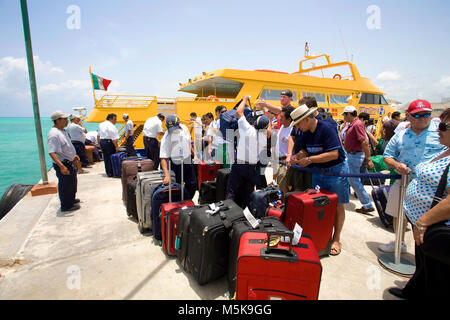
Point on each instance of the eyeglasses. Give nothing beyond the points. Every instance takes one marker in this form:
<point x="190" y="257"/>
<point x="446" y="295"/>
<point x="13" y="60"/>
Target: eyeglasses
<point x="444" y="126"/>
<point x="418" y="116"/>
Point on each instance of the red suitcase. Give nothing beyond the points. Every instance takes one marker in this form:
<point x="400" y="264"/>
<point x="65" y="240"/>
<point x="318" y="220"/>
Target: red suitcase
<point x="279" y="271"/>
<point x="276" y="210"/>
<point x="207" y="171"/>
<point x="314" y="212"/>
<point x="169" y="218"/>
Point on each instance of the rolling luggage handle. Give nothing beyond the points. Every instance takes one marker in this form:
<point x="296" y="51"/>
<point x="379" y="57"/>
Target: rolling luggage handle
<point x="182" y="182"/>
<point x="268" y="253"/>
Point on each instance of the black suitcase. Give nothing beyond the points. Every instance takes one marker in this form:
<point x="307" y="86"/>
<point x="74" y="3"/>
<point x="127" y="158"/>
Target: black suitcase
<point x="267" y="224"/>
<point x="221" y="184"/>
<point x="131" y="199"/>
<point x="380" y="197"/>
<point x="182" y="239"/>
<point x="260" y="200"/>
<point x="207" y="193"/>
<point x="209" y="241"/>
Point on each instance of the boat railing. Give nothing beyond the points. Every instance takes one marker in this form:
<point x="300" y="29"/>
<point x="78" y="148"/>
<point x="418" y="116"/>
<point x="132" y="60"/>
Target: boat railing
<point x="125" y="101"/>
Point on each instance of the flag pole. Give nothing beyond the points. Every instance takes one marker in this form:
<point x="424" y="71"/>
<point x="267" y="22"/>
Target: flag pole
<point x="33" y="87"/>
<point x="92" y="82"/>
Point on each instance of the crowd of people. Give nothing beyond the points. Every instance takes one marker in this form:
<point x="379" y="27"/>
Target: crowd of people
<point x="283" y="136"/>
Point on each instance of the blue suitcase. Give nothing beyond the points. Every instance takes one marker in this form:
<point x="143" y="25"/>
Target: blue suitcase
<point x="159" y="196"/>
<point x="116" y="160"/>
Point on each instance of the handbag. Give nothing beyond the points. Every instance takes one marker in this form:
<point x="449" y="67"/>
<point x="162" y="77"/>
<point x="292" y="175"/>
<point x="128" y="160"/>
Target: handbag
<point x="436" y="241"/>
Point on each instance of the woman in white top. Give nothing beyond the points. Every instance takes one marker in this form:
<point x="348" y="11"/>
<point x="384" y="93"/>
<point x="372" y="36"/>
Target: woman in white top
<point x="432" y="275"/>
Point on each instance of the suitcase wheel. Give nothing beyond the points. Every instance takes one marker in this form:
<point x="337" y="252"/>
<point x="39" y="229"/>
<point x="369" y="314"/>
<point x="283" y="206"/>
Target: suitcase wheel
<point x="141" y="228"/>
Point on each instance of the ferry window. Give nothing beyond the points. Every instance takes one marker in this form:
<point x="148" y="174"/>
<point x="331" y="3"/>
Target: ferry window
<point x="320" y="97"/>
<point x="272" y="94"/>
<point x="337" y="98"/>
<point x="367" y="98"/>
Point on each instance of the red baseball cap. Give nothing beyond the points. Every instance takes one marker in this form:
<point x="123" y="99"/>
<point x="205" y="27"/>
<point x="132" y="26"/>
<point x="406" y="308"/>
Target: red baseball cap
<point x="419" y="106"/>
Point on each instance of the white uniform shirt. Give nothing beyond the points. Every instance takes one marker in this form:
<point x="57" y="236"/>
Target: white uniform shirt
<point x="197" y="124"/>
<point x="107" y="130"/>
<point x="214" y="132"/>
<point x="76" y="132"/>
<point x="282" y="141"/>
<point x="130" y="127"/>
<point x="152" y="127"/>
<point x="92" y="136"/>
<point x="247" y="148"/>
<point x="176" y="144"/>
<point x="59" y="142"/>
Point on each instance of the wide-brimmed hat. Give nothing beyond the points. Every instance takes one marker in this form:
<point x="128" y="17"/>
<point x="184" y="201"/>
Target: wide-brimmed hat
<point x="301" y="113"/>
<point x="59" y="115"/>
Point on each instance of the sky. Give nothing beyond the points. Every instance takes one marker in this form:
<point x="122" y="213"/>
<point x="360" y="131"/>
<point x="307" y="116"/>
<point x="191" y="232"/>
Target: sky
<point x="148" y="47"/>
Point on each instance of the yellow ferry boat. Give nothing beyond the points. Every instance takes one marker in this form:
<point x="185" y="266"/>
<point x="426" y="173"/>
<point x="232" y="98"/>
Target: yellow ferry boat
<point x="335" y="85"/>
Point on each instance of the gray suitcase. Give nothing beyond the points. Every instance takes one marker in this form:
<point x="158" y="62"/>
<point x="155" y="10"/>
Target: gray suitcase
<point x="146" y="182"/>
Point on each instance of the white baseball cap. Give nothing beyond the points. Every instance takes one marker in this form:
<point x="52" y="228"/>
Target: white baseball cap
<point x="349" y="109"/>
<point x="59" y="115"/>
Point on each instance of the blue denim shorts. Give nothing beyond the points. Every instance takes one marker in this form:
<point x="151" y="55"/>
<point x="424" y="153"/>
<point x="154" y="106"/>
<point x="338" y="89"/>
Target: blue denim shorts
<point x="338" y="185"/>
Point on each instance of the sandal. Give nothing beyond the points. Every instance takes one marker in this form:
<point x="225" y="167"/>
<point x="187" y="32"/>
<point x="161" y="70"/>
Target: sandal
<point x="336" y="249"/>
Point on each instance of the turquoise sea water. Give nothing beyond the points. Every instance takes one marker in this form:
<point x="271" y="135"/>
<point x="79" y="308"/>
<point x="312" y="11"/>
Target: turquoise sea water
<point x="19" y="157"/>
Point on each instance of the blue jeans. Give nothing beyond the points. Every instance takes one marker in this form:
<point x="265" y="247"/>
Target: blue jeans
<point x="338" y="185"/>
<point x="354" y="163"/>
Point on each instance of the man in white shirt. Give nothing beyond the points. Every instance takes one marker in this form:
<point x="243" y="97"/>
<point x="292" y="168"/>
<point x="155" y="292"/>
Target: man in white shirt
<point x="252" y="140"/>
<point x="176" y="147"/>
<point x="281" y="148"/>
<point x="152" y="130"/>
<point x="109" y="137"/>
<point x="64" y="159"/>
<point x="77" y="132"/>
<point x="92" y="140"/>
<point x="129" y="130"/>
<point x="196" y="125"/>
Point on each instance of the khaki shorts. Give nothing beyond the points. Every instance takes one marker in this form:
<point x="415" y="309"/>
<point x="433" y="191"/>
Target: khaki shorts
<point x="392" y="203"/>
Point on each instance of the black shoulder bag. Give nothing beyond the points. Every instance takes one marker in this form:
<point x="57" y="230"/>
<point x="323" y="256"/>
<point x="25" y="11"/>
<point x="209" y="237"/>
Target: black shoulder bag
<point x="436" y="241"/>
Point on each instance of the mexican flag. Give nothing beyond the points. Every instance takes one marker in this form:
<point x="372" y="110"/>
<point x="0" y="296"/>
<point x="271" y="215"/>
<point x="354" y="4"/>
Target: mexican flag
<point x="99" y="82"/>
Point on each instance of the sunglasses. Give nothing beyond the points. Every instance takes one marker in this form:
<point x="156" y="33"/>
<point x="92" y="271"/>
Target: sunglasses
<point x="418" y="116"/>
<point x="444" y="126"/>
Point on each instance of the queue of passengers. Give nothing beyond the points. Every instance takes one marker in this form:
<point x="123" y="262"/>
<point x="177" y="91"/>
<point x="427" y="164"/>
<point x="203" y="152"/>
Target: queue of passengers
<point x="307" y="137"/>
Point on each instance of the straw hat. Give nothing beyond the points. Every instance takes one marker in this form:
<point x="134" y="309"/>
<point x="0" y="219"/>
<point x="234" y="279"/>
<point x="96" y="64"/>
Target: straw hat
<point x="301" y="113"/>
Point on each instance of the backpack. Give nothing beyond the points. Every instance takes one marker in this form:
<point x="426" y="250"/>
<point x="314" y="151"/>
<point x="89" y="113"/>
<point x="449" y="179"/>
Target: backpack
<point x="229" y="120"/>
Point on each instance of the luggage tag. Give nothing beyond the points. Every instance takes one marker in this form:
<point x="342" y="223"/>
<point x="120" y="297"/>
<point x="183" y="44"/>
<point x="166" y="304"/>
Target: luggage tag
<point x="251" y="219"/>
<point x="213" y="209"/>
<point x="297" y="235"/>
<point x="314" y="191"/>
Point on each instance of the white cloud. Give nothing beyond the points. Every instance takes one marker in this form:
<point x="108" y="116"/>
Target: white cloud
<point x="389" y="76"/>
<point x="445" y="81"/>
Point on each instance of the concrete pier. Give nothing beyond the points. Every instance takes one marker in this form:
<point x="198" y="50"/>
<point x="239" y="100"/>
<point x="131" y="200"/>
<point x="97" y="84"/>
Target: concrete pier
<point x="97" y="252"/>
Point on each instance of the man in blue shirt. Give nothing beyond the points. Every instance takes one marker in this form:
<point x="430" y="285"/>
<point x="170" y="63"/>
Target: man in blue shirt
<point x="406" y="149"/>
<point x="321" y="148"/>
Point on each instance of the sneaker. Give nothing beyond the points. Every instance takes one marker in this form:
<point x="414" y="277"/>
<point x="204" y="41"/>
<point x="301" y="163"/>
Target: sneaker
<point x="390" y="247"/>
<point x="73" y="208"/>
<point x="364" y="210"/>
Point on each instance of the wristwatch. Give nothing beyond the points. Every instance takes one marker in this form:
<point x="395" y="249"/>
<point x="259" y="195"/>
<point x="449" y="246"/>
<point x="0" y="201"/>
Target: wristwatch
<point x="309" y="160"/>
